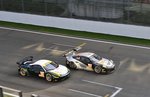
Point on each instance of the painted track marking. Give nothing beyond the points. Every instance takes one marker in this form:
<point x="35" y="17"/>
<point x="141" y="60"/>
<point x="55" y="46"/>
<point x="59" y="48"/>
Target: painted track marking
<point x="90" y="94"/>
<point x="10" y="94"/>
<point x="114" y="94"/>
<point x="123" y="62"/>
<point x="121" y="44"/>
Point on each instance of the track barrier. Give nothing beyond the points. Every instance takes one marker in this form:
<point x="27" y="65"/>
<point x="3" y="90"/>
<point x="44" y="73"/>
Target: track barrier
<point x="12" y="92"/>
<point x="1" y="92"/>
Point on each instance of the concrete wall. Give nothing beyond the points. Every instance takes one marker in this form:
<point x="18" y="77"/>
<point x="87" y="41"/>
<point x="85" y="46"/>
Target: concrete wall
<point x="76" y="24"/>
<point x="109" y="9"/>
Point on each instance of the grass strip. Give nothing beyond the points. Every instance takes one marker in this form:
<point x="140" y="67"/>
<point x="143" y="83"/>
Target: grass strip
<point x="7" y="96"/>
<point x="98" y="36"/>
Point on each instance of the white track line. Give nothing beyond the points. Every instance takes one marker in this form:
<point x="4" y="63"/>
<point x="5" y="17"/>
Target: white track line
<point x="100" y="84"/>
<point x="114" y="94"/>
<point x="10" y="94"/>
<point x="135" y="46"/>
<point x="10" y="89"/>
<point x="84" y="93"/>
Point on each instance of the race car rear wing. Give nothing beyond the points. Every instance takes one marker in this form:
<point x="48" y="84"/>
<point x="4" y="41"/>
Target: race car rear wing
<point x="74" y="50"/>
<point x="22" y="61"/>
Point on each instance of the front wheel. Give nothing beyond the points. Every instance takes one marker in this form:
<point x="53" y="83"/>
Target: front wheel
<point x="49" y="77"/>
<point x="98" y="69"/>
<point x="23" y="72"/>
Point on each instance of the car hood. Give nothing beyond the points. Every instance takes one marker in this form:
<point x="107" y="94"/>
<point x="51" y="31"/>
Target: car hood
<point x="106" y="63"/>
<point x="61" y="70"/>
<point x="103" y="61"/>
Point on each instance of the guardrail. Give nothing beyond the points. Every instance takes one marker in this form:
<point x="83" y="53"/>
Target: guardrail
<point x="12" y="92"/>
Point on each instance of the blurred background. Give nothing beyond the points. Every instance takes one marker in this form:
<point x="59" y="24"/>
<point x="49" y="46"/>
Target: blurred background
<point x="136" y="12"/>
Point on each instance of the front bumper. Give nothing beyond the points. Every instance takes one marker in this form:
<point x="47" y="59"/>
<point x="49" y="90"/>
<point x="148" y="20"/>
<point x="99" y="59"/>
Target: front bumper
<point x="62" y="77"/>
<point x="108" y="70"/>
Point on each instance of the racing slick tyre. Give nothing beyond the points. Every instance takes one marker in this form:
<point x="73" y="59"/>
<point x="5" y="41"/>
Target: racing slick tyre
<point x="23" y="72"/>
<point x="71" y="65"/>
<point x="98" y="69"/>
<point x="49" y="77"/>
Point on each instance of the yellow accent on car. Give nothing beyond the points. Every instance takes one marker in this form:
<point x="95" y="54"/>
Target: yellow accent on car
<point x="101" y="62"/>
<point x="56" y="75"/>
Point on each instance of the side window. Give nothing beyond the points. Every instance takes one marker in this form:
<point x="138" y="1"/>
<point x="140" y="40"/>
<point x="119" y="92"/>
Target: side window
<point x="85" y="60"/>
<point x="37" y="68"/>
<point x="40" y="68"/>
<point x="77" y="57"/>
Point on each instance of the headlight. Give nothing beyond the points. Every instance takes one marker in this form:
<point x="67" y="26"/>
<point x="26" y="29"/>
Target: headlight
<point x="104" y="66"/>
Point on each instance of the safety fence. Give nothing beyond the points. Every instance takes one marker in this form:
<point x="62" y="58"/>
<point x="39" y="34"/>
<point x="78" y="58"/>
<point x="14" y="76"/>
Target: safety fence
<point x="119" y="11"/>
<point x="9" y="92"/>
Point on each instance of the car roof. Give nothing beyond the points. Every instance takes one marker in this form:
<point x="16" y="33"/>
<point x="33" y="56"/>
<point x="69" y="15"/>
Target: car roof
<point x="85" y="54"/>
<point x="42" y="62"/>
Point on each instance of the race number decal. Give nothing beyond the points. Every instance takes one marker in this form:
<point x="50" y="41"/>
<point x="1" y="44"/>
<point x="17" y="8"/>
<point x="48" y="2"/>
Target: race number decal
<point x="90" y="65"/>
<point x="41" y="74"/>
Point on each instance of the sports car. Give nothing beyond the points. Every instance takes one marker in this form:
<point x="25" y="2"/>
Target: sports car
<point x="49" y="70"/>
<point x="88" y="61"/>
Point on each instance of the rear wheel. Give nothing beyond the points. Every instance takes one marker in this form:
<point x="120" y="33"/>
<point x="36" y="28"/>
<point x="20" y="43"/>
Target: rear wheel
<point x="49" y="77"/>
<point x="98" y="69"/>
<point x="71" y="65"/>
<point x="23" y="72"/>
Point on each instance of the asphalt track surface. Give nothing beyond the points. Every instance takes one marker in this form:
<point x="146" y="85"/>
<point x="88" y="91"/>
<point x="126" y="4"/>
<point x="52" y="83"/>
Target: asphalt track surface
<point x="131" y="78"/>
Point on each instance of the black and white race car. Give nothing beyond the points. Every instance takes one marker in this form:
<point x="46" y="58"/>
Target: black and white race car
<point x="88" y="61"/>
<point x="43" y="68"/>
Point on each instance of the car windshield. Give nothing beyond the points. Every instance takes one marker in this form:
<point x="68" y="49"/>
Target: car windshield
<point x="96" y="57"/>
<point x="51" y="66"/>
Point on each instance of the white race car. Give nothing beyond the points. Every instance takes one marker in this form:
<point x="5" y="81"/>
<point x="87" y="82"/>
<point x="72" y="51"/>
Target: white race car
<point x="88" y="61"/>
